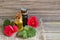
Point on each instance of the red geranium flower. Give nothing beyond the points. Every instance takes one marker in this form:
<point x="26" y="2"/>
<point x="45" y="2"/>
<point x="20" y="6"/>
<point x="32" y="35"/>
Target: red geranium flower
<point x="9" y="30"/>
<point x="32" y="21"/>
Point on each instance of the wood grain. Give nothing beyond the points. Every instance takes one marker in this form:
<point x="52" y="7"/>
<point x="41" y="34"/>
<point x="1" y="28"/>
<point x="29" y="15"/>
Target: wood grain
<point x="36" y="5"/>
<point x="46" y="9"/>
<point x="42" y="8"/>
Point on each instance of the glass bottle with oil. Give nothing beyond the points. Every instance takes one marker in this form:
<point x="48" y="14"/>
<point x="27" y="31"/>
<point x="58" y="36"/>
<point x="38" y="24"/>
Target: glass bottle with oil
<point x="25" y="16"/>
<point x="18" y="21"/>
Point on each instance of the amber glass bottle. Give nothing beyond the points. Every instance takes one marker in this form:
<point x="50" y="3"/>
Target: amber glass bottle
<point x="18" y="21"/>
<point x="25" y="16"/>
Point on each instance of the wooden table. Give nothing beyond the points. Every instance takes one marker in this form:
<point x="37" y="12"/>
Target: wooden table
<point x="50" y="31"/>
<point x="48" y="9"/>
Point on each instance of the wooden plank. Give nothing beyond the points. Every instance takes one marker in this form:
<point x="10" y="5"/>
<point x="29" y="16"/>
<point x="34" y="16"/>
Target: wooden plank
<point x="36" y="5"/>
<point x="43" y="8"/>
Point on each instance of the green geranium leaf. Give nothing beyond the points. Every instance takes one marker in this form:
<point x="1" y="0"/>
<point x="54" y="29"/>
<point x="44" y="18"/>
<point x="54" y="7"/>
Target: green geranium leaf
<point x="22" y="33"/>
<point x="6" y="22"/>
<point x="27" y="32"/>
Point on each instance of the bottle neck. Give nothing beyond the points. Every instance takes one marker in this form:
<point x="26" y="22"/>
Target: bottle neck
<point x="25" y="13"/>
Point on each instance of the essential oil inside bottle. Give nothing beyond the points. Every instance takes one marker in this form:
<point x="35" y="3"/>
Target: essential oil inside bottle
<point x="18" y="21"/>
<point x="25" y="16"/>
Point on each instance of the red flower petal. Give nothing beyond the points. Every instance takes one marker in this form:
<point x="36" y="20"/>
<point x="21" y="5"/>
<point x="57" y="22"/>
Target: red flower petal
<point x="32" y="21"/>
<point x="8" y="30"/>
<point x="15" y="28"/>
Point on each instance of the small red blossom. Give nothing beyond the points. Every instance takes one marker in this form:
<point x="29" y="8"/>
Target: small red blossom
<point x="9" y="30"/>
<point x="32" y="21"/>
